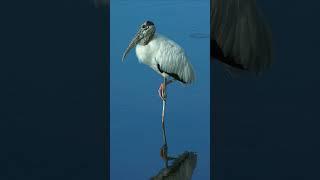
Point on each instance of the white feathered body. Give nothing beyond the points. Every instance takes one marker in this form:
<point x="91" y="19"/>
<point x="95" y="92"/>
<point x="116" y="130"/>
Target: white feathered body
<point x="169" y="55"/>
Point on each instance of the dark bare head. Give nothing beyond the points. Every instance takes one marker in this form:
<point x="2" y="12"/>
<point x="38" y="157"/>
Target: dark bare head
<point x="143" y="36"/>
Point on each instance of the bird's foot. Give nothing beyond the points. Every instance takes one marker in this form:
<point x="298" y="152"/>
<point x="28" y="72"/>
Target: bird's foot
<point x="165" y="157"/>
<point x="161" y="92"/>
<point x="164" y="152"/>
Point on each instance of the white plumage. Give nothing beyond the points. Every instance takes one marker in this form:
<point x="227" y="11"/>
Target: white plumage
<point x="163" y="55"/>
<point x="170" y="57"/>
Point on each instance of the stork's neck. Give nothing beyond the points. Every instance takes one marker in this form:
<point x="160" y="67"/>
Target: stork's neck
<point x="147" y="39"/>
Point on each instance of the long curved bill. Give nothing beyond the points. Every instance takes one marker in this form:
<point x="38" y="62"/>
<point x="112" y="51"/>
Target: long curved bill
<point x="132" y="44"/>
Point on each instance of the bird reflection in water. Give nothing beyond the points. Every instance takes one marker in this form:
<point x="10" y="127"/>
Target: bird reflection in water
<point x="181" y="168"/>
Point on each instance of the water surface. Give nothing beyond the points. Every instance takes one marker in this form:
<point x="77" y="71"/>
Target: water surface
<point x="135" y="114"/>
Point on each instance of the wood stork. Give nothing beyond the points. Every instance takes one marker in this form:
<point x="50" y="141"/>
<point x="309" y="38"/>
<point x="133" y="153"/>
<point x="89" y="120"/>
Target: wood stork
<point x="166" y="58"/>
<point x="240" y="37"/>
<point x="163" y="55"/>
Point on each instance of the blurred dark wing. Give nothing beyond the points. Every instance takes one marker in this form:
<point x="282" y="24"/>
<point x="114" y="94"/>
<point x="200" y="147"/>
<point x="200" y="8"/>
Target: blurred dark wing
<point x="101" y="3"/>
<point x="239" y="35"/>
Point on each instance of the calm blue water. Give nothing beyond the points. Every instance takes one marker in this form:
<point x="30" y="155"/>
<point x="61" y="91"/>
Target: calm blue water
<point x="135" y="119"/>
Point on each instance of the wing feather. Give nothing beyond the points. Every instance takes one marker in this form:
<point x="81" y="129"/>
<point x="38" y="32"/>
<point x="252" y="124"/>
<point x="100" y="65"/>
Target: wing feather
<point x="172" y="59"/>
<point x="241" y="32"/>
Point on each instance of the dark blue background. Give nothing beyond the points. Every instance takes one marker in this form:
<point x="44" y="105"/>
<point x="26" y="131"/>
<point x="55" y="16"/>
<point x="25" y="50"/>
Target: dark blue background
<point x="53" y="95"/>
<point x="268" y="127"/>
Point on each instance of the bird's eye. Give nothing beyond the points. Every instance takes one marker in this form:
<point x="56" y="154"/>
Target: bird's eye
<point x="144" y="26"/>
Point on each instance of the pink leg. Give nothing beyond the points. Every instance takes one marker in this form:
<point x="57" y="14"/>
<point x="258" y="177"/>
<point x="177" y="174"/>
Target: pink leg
<point x="160" y="91"/>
